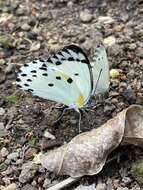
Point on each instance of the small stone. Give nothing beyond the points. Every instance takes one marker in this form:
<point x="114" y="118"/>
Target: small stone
<point x="108" y="109"/>
<point x="48" y="135"/>
<point x="28" y="171"/>
<point x="70" y="4"/>
<point x="20" y="12"/>
<point x="30" y="152"/>
<point x="25" y="27"/>
<point x="105" y="19"/>
<point x="32" y="35"/>
<point x="115" y="183"/>
<point x="101" y="186"/>
<point x="2" y="61"/>
<point x="109" y="41"/>
<point x="122" y="188"/>
<point x="13" y="156"/>
<point x="123" y="85"/>
<point x="113" y="94"/>
<point x="9" y="68"/>
<point x="86" y="16"/>
<point x="131" y="74"/>
<point x="3" y="131"/>
<point x="12" y="186"/>
<point x="129" y="96"/>
<point x="28" y="187"/>
<point x="126" y="181"/>
<point x="114" y="101"/>
<point x="119" y="28"/>
<point x="86" y="187"/>
<point x="2" y="111"/>
<point x="132" y="46"/>
<point x="47" y="182"/>
<point x="4" y="152"/>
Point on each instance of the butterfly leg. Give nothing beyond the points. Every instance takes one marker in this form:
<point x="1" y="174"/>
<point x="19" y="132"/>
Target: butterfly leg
<point x="79" y="122"/>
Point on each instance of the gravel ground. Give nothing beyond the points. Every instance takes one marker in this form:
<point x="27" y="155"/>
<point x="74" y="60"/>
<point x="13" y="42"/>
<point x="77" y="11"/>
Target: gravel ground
<point x="32" y="29"/>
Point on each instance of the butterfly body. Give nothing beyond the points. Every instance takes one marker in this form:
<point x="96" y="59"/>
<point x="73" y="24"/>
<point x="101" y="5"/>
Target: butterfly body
<point x="66" y="77"/>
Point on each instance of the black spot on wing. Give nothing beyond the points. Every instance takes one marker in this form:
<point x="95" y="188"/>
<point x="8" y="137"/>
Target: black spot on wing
<point x="50" y="84"/>
<point x="43" y="68"/>
<point x="29" y="80"/>
<point x="23" y="75"/>
<point x="26" y="65"/>
<point x="69" y="80"/>
<point x="30" y="90"/>
<point x="18" y="80"/>
<point x="41" y="60"/>
<point x="19" y="86"/>
<point x="58" y="63"/>
<point x="44" y="65"/>
<point x="71" y="59"/>
<point x="49" y="60"/>
<point x="58" y="77"/>
<point x="34" y="75"/>
<point x="45" y="74"/>
<point x="76" y="74"/>
<point x="34" y="62"/>
<point x="33" y="71"/>
<point x="26" y="84"/>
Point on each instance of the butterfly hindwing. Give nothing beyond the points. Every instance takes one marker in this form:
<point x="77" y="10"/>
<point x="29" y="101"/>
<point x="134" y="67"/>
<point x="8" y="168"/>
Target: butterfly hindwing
<point x="100" y="71"/>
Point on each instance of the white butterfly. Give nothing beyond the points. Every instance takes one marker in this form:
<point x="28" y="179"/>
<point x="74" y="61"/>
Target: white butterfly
<point x="67" y="76"/>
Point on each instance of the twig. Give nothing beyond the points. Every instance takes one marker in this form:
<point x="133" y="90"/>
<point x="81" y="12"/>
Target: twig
<point x="64" y="183"/>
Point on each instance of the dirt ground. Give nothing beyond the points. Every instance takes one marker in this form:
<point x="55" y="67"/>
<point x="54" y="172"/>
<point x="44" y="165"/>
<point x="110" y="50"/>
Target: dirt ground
<point x="33" y="29"/>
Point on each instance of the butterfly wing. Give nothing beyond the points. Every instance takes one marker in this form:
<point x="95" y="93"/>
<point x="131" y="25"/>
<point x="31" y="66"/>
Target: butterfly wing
<point x="100" y="71"/>
<point x="73" y="61"/>
<point x="49" y="83"/>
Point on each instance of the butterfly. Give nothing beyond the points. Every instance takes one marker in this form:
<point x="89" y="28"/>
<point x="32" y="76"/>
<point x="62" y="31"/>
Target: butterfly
<point x="67" y="77"/>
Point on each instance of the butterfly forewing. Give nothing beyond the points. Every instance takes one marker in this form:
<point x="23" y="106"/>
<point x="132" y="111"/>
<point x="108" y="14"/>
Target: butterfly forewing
<point x="73" y="61"/>
<point x="49" y="83"/>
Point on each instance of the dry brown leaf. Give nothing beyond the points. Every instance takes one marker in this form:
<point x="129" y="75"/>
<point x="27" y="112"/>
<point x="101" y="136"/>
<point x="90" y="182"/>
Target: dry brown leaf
<point x="86" y="153"/>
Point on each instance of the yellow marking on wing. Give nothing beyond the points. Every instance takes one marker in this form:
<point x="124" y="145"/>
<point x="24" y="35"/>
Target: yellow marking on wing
<point x="65" y="76"/>
<point x="80" y="100"/>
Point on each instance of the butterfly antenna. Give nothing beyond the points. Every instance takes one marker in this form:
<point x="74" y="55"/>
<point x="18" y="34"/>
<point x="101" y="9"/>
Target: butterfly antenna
<point x="98" y="79"/>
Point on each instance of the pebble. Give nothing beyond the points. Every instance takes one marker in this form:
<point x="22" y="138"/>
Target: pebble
<point x="30" y="152"/>
<point x="123" y="85"/>
<point x="131" y="74"/>
<point x="105" y="19"/>
<point x="12" y="186"/>
<point x="109" y="41"/>
<point x="2" y="111"/>
<point x="20" y="12"/>
<point x="48" y="135"/>
<point x="32" y="35"/>
<point x="28" y="171"/>
<point x="3" y="131"/>
<point x="28" y="187"/>
<point x="101" y="186"/>
<point x="122" y="188"/>
<point x="129" y="96"/>
<point x="47" y="182"/>
<point x="132" y="46"/>
<point x="4" y="152"/>
<point x="25" y="27"/>
<point x="86" y="16"/>
<point x="13" y="156"/>
<point x="9" y="68"/>
<point x="126" y="180"/>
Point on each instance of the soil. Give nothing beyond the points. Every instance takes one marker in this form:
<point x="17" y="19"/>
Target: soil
<point x="33" y="29"/>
